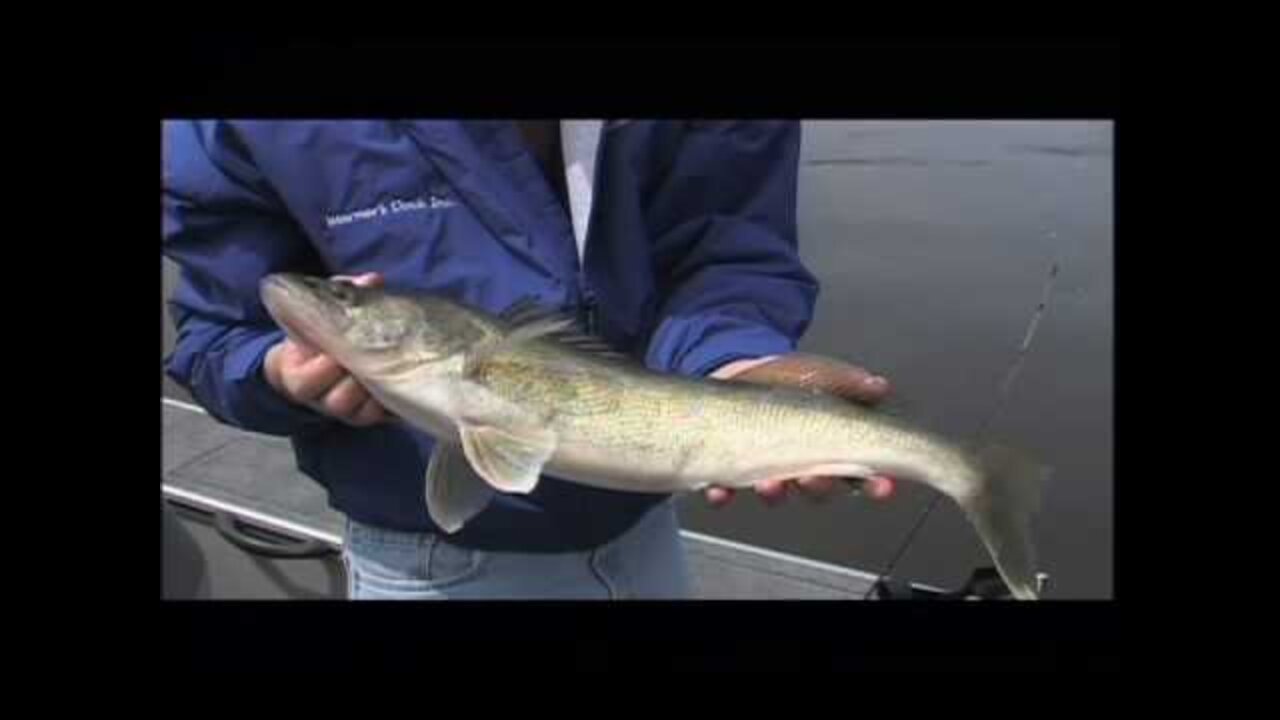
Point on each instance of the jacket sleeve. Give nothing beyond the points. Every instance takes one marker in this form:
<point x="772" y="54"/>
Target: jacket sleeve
<point x="723" y="218"/>
<point x="225" y="230"/>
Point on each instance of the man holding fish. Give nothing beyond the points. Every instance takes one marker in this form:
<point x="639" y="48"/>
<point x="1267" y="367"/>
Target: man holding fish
<point x="673" y="243"/>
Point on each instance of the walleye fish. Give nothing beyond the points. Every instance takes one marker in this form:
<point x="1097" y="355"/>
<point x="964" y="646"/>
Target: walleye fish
<point x="512" y="396"/>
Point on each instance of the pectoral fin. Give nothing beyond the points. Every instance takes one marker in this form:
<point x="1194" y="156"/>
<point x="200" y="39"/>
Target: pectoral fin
<point x="505" y="443"/>
<point x="454" y="492"/>
<point x="510" y="457"/>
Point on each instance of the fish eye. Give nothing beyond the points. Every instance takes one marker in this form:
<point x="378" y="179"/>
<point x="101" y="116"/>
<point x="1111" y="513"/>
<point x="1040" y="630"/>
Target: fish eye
<point x="344" y="290"/>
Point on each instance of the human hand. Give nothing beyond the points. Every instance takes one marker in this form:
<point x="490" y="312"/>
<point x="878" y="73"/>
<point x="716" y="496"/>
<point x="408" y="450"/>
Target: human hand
<point x="309" y="377"/>
<point x="808" y="371"/>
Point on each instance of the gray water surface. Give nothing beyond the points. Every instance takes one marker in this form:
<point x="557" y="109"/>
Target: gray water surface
<point x="933" y="242"/>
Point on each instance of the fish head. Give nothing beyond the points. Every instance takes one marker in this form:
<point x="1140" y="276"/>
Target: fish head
<point x="369" y="330"/>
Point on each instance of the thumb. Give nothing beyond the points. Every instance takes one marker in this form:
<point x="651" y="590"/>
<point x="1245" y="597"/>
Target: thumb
<point x="369" y="279"/>
<point x="876" y="487"/>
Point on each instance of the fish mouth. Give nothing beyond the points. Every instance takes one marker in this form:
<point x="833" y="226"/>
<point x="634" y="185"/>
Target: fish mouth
<point x="302" y="312"/>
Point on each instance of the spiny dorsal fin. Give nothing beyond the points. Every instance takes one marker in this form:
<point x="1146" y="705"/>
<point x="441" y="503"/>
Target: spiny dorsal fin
<point x="527" y="310"/>
<point x="550" y="326"/>
<point x="530" y="321"/>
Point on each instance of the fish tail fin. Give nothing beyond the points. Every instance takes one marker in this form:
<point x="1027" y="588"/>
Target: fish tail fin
<point x="1007" y="497"/>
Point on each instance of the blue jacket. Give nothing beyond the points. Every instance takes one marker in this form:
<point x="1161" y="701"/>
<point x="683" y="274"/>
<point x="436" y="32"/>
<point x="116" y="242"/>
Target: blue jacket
<point x="690" y="262"/>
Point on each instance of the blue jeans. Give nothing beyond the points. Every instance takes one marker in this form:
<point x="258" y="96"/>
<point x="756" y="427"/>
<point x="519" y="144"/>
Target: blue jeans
<point x="646" y="562"/>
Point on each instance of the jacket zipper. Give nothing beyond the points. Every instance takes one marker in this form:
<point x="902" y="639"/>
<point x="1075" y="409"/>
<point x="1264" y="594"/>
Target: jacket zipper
<point x="586" y="294"/>
<point x="587" y="299"/>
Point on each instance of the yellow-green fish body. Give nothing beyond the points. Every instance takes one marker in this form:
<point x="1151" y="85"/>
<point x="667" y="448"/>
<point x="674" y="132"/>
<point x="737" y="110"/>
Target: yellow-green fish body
<point x="511" y="398"/>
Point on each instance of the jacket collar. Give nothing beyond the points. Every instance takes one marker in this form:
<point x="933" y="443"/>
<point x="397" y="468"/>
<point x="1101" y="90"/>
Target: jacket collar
<point x="487" y="158"/>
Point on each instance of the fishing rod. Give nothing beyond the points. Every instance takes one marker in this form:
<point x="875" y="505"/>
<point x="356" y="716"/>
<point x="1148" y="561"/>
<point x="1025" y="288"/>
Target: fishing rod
<point x="984" y="582"/>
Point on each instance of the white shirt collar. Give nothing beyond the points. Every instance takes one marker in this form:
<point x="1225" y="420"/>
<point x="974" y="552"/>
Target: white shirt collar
<point x="580" y="139"/>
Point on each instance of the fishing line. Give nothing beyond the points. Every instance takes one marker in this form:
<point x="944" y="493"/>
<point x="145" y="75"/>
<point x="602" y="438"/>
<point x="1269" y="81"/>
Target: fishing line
<point x="1001" y="400"/>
